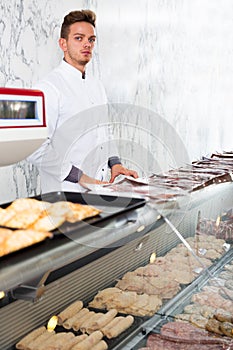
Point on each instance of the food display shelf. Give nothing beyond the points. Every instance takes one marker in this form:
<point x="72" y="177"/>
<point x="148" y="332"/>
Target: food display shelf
<point x="96" y="257"/>
<point x="173" y="307"/>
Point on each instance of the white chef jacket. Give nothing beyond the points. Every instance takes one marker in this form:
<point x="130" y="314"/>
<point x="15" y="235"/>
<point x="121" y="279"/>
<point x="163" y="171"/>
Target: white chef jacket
<point x="78" y="129"/>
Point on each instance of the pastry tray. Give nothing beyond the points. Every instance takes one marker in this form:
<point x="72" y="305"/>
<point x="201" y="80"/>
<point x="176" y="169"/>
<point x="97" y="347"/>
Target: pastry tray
<point x="110" y="206"/>
<point x="114" y="209"/>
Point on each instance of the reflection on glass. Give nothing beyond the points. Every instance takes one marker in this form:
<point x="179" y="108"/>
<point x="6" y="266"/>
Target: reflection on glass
<point x="17" y="109"/>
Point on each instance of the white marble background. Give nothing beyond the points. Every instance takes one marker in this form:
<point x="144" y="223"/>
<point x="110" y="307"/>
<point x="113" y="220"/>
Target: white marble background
<point x="173" y="58"/>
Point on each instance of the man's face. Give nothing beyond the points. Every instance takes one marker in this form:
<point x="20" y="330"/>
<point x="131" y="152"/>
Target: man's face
<point x="79" y="45"/>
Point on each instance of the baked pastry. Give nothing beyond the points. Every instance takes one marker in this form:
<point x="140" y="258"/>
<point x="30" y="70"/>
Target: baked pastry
<point x="11" y="241"/>
<point x="24" y="213"/>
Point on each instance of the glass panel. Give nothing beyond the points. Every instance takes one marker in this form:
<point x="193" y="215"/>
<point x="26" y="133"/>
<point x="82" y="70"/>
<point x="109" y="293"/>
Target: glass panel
<point x="18" y="109"/>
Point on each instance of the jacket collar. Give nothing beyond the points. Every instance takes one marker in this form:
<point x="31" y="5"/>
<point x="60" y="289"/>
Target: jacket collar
<point x="72" y="70"/>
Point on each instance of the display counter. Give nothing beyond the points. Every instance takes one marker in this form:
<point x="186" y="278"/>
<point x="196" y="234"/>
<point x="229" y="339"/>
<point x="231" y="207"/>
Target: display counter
<point x="140" y="251"/>
<point x="41" y="281"/>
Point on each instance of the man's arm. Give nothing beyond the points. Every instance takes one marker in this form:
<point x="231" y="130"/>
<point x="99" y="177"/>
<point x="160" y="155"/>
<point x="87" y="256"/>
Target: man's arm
<point x="119" y="169"/>
<point x="47" y="157"/>
<point x="76" y="175"/>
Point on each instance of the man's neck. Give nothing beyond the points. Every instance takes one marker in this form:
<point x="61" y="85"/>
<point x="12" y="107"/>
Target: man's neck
<point x="79" y="67"/>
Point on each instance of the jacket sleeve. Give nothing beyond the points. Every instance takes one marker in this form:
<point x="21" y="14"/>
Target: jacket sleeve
<point x="47" y="157"/>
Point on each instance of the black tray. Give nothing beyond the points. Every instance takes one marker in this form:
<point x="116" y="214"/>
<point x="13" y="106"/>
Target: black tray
<point x="110" y="206"/>
<point x="112" y="343"/>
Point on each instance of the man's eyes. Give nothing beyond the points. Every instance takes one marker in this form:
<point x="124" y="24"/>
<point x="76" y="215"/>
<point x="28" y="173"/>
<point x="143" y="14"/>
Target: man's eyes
<point x="80" y="38"/>
<point x="91" y="40"/>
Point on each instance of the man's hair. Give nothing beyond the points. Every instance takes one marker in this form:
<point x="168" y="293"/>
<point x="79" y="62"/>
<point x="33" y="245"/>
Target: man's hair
<point x="76" y="16"/>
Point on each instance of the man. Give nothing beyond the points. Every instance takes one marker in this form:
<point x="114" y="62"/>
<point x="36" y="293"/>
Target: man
<point x="69" y="92"/>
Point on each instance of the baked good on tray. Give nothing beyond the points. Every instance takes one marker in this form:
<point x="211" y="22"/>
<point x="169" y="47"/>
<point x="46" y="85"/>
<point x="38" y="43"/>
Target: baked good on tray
<point x="27" y="221"/>
<point x="24" y="213"/>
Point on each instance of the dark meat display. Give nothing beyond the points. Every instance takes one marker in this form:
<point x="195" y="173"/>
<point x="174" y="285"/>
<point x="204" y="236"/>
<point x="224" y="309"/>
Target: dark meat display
<point x="182" y="336"/>
<point x="221" y="229"/>
<point x="212" y="308"/>
<point x="156" y="342"/>
<point x="175" y="183"/>
<point x="187" y="333"/>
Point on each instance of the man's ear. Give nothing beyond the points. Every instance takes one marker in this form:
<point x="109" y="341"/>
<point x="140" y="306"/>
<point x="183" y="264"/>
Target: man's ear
<point x="62" y="44"/>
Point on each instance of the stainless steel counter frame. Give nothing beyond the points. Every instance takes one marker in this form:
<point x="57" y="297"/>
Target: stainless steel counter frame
<point x="129" y="243"/>
<point x="74" y="246"/>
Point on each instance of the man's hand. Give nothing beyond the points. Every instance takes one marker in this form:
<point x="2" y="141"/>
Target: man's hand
<point x="118" y="169"/>
<point x="85" y="179"/>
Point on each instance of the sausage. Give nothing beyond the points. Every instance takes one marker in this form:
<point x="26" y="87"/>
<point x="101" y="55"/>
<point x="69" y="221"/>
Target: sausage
<point x="103" y="320"/>
<point x="120" y="327"/>
<point x="22" y="344"/>
<point x="89" y="342"/>
<point x="226" y="328"/>
<point x="86" y="327"/>
<point x="39" y="340"/>
<point x="77" y="317"/>
<point x="69" y="343"/>
<point x="84" y="320"/>
<point x="70" y="311"/>
<point x="102" y="345"/>
<point x="57" y="340"/>
<point x="213" y="325"/>
<point x="111" y="324"/>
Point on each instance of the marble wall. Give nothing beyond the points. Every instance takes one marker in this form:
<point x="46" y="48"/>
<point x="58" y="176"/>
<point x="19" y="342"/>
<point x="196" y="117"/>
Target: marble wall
<point x="166" y="62"/>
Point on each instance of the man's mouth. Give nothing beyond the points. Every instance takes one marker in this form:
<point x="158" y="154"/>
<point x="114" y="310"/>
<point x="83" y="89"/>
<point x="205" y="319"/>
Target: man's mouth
<point x="86" y="52"/>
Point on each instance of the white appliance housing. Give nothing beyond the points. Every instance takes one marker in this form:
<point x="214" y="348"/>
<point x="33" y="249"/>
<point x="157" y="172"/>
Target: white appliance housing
<point x="22" y="123"/>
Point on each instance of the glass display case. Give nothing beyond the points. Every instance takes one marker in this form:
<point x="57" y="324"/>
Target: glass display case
<point x="199" y="316"/>
<point x="143" y="264"/>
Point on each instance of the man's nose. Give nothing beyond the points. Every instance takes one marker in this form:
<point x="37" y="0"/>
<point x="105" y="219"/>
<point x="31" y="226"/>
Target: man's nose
<point x="87" y="43"/>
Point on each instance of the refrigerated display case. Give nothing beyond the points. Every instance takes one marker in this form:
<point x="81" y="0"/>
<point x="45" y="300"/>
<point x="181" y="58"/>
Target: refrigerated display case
<point x="132" y="236"/>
